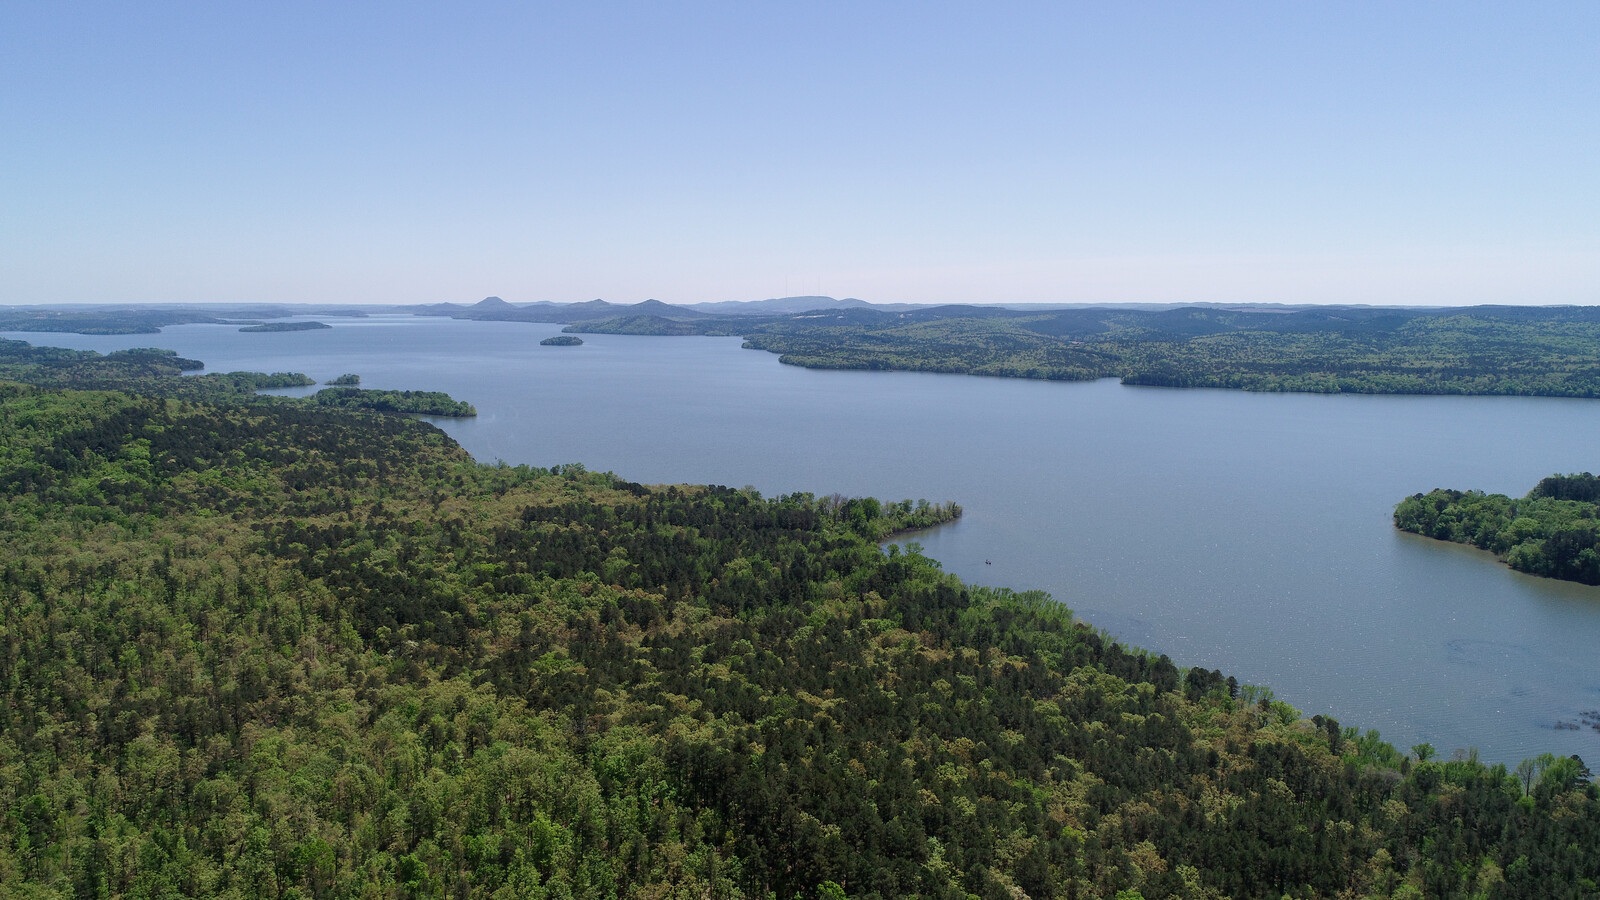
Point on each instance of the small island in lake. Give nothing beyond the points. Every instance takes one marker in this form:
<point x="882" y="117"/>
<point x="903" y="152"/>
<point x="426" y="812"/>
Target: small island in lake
<point x="561" y="340"/>
<point x="426" y="403"/>
<point x="345" y="380"/>
<point x="1554" y="531"/>
<point x="286" y="326"/>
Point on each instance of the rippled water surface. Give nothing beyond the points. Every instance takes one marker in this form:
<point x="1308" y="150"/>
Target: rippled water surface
<point x="1246" y="532"/>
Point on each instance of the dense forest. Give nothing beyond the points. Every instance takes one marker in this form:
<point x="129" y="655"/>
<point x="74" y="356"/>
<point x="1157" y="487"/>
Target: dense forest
<point x="1554" y="531"/>
<point x="264" y="647"/>
<point x="1547" y="351"/>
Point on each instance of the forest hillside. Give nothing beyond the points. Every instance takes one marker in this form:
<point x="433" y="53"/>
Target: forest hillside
<point x="271" y="648"/>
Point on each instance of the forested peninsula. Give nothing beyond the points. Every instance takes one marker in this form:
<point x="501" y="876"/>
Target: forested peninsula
<point x="426" y="403"/>
<point x="278" y="327"/>
<point x="1554" y="531"/>
<point x="265" y="647"/>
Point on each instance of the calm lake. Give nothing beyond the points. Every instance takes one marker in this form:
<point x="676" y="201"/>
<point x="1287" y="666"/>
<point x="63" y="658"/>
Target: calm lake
<point x="1250" y="533"/>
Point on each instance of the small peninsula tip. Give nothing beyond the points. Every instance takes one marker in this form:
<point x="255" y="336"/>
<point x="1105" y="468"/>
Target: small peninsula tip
<point x="426" y="403"/>
<point x="1553" y="531"/>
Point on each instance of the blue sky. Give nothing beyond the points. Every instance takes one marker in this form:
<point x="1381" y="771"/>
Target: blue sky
<point x="1387" y="153"/>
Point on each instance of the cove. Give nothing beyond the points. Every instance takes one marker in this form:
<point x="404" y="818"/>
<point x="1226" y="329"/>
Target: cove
<point x="1245" y="532"/>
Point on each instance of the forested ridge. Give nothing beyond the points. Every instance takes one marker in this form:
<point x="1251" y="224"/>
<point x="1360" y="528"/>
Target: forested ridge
<point x="1554" y="531"/>
<point x="270" y="648"/>
<point x="1546" y="351"/>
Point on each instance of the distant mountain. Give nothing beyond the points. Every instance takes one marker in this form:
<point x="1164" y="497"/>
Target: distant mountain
<point x="600" y="309"/>
<point x="637" y="324"/>
<point x="433" y="309"/>
<point x="494" y="309"/>
<point x="574" y="312"/>
<point x="775" y="306"/>
<point x="657" y="308"/>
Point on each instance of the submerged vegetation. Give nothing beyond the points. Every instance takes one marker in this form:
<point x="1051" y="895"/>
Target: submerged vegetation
<point x="270" y="647"/>
<point x="1554" y="531"/>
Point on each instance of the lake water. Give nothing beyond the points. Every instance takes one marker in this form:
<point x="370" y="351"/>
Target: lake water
<point x="1246" y="532"/>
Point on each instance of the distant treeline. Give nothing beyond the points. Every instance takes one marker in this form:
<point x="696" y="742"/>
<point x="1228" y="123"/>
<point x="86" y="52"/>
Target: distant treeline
<point x="1546" y="351"/>
<point x="100" y="321"/>
<point x="131" y="319"/>
<point x="1554" y="531"/>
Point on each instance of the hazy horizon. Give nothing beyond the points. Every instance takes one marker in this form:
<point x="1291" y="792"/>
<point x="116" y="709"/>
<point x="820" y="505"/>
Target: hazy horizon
<point x="996" y="303"/>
